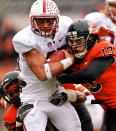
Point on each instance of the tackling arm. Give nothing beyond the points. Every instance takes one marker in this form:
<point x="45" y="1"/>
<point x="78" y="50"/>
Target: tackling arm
<point x="89" y="74"/>
<point x="84" y="116"/>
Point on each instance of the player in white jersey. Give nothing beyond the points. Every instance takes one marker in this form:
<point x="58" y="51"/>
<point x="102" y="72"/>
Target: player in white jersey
<point x="106" y="19"/>
<point x="34" y="43"/>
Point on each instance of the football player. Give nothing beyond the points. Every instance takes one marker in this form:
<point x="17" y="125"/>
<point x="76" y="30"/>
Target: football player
<point x="94" y="67"/>
<point x="11" y="86"/>
<point x="33" y="43"/>
<point x="106" y="19"/>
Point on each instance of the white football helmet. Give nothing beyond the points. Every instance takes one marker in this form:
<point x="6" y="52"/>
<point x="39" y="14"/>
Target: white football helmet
<point x="44" y="9"/>
<point x="111" y="13"/>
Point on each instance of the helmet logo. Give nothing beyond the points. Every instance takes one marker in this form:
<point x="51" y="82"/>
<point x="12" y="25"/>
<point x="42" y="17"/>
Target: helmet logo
<point x="92" y="28"/>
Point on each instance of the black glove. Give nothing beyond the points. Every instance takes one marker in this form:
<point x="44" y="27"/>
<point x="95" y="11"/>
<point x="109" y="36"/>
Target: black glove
<point x="22" y="112"/>
<point x="58" y="98"/>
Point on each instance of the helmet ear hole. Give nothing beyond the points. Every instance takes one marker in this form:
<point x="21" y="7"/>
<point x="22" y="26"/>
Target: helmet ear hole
<point x="91" y="40"/>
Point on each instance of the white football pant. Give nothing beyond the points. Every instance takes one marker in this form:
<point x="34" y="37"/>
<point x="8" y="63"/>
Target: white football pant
<point x="64" y="117"/>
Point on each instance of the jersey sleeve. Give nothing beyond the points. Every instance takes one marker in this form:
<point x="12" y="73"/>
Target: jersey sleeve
<point x="103" y="49"/>
<point x="23" y="41"/>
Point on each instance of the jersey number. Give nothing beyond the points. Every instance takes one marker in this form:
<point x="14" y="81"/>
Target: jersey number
<point x="109" y="49"/>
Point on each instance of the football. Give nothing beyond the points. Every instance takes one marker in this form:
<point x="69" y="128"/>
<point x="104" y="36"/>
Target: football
<point x="56" y="56"/>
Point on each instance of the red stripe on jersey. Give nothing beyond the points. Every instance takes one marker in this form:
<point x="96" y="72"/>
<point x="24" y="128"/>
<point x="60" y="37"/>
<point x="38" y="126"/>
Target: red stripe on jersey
<point x="24" y="127"/>
<point x="49" y="126"/>
<point x="44" y="6"/>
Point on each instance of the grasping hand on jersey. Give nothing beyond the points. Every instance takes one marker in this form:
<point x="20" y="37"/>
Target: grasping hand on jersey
<point x="68" y="55"/>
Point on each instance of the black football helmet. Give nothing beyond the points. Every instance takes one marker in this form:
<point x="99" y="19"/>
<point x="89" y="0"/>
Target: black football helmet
<point x="79" y="30"/>
<point x="12" y="83"/>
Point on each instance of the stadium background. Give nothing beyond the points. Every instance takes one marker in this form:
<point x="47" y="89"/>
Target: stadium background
<point x="14" y="16"/>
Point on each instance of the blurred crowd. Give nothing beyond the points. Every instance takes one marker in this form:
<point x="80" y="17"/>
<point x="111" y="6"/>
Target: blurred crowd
<point x="8" y="57"/>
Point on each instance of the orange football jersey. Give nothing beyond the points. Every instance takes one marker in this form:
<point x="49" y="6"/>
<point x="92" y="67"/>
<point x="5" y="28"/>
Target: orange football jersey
<point x="104" y="87"/>
<point x="10" y="117"/>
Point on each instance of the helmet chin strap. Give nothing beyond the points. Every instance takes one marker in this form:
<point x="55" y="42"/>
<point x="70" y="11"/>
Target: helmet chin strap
<point x="81" y="54"/>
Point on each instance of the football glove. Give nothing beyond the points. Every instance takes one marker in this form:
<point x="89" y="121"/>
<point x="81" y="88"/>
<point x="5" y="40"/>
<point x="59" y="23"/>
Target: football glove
<point x="58" y="98"/>
<point x="22" y="112"/>
<point x="75" y="96"/>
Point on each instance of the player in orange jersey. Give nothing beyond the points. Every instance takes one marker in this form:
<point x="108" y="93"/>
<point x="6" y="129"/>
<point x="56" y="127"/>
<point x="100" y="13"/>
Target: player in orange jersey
<point x="10" y="89"/>
<point x="94" y="67"/>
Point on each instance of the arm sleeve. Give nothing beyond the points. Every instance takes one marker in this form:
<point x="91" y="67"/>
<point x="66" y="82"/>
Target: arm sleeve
<point x="24" y="41"/>
<point x="84" y="116"/>
<point x="89" y="74"/>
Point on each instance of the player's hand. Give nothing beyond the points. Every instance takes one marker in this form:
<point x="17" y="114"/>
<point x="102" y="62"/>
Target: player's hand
<point x="102" y="31"/>
<point x="68" y="55"/>
<point x="75" y="96"/>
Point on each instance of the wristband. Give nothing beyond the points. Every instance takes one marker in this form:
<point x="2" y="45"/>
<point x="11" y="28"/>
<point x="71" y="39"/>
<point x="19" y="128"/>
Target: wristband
<point x="71" y="95"/>
<point x="47" y="71"/>
<point x="66" y="63"/>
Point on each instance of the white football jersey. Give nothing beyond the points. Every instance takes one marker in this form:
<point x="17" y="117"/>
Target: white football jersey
<point x="24" y="41"/>
<point x="100" y="19"/>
